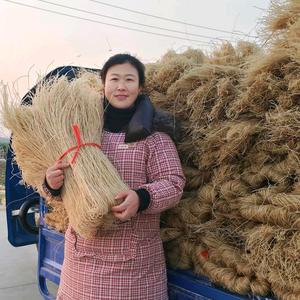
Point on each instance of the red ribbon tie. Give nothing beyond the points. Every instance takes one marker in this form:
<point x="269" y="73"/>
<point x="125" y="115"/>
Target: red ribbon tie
<point x="76" y="132"/>
<point x="205" y="254"/>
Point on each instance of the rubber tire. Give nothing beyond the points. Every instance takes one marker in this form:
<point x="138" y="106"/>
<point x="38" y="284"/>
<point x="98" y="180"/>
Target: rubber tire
<point x="23" y="215"/>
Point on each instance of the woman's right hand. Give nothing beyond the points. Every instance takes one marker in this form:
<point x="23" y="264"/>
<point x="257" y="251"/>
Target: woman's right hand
<point x="55" y="175"/>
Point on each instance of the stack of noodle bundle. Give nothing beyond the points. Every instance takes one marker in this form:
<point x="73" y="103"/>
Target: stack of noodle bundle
<point x="239" y="215"/>
<point x="233" y="56"/>
<point x="42" y="132"/>
<point x="211" y="152"/>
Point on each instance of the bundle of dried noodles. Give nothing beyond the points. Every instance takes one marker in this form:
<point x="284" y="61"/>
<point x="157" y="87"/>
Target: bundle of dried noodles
<point x="43" y="131"/>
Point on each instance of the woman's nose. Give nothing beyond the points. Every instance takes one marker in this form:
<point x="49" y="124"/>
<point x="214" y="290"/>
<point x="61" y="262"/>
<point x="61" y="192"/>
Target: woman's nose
<point x="121" y="86"/>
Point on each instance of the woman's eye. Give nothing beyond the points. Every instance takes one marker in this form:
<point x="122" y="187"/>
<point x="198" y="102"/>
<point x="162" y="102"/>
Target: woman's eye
<point x="114" y="79"/>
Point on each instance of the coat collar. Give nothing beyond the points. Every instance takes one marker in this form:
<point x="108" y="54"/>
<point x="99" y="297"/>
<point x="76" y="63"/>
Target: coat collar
<point x="141" y="124"/>
<point x="147" y="120"/>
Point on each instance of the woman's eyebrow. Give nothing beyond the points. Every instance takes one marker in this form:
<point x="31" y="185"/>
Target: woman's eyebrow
<point x="130" y="75"/>
<point x="114" y="74"/>
<point x="117" y="74"/>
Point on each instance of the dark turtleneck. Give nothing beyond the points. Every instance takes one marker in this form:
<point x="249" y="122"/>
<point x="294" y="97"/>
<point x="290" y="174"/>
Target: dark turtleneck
<point x="116" y="120"/>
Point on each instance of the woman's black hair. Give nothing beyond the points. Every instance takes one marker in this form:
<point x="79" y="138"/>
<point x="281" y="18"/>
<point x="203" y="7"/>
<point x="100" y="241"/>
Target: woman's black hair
<point x="121" y="58"/>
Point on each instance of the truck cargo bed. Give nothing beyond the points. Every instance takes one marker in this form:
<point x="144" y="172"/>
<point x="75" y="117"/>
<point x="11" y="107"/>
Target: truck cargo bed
<point x="182" y="285"/>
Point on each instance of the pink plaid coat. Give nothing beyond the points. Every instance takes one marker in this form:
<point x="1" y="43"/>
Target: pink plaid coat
<point x="127" y="262"/>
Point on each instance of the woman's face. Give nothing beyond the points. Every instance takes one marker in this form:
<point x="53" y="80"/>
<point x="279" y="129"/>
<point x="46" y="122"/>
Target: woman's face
<point x="121" y="86"/>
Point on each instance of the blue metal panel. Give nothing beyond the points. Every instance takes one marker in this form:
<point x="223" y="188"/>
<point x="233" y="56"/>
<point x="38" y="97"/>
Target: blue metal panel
<point x="181" y="281"/>
<point x="187" y="285"/>
<point x="51" y="256"/>
<point x="16" y="194"/>
<point x="177" y="293"/>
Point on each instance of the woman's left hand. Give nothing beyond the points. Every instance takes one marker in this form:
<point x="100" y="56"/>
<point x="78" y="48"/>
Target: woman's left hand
<point x="129" y="207"/>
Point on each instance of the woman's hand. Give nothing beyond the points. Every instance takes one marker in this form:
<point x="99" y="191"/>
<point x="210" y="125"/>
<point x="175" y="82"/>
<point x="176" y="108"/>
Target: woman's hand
<point x="55" y="175"/>
<point x="129" y="207"/>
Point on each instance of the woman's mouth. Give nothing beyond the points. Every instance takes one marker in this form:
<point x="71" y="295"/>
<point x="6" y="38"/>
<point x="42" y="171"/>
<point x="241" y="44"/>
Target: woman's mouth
<point x="121" y="97"/>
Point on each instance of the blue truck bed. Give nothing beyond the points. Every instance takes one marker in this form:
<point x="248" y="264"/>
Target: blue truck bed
<point x="182" y="285"/>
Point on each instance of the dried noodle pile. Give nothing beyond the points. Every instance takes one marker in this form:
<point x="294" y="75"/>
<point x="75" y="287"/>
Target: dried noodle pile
<point x="43" y="131"/>
<point x="238" y="221"/>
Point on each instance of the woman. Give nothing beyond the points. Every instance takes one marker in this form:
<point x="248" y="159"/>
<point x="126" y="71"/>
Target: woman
<point x="127" y="260"/>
